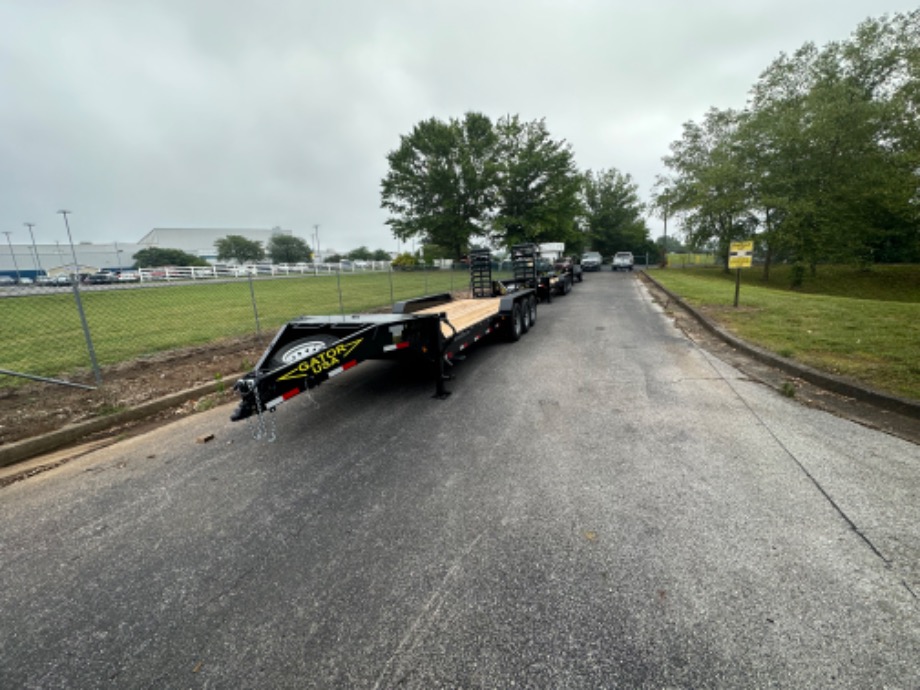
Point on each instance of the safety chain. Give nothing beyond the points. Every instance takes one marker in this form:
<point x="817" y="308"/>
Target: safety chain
<point x="259" y="430"/>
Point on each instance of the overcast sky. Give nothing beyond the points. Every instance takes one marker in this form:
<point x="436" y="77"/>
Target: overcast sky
<point x="222" y="113"/>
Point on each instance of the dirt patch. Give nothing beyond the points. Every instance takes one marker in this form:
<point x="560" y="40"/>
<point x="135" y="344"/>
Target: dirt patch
<point x="32" y="409"/>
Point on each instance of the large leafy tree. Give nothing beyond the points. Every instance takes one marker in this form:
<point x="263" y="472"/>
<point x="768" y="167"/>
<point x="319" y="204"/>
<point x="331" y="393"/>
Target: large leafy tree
<point x="825" y="161"/>
<point x="240" y="249"/>
<point x="537" y="185"/>
<point x="441" y="181"/>
<point x="613" y="213"/>
<point x="287" y="249"/>
<point x="709" y="190"/>
<point x="155" y="256"/>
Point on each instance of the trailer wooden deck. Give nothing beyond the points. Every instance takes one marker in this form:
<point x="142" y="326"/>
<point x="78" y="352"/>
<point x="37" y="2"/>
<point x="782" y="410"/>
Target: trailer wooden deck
<point x="464" y="313"/>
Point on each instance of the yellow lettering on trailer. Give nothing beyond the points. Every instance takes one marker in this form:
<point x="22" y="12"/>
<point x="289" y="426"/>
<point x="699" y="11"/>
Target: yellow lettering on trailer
<point x="323" y="361"/>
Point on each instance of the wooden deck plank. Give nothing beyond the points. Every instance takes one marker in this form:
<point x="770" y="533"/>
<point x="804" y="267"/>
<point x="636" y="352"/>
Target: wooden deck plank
<point x="464" y="313"/>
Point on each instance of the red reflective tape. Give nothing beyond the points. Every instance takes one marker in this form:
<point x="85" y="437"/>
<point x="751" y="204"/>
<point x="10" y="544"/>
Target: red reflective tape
<point x="403" y="345"/>
<point x="290" y="394"/>
<point x="349" y="365"/>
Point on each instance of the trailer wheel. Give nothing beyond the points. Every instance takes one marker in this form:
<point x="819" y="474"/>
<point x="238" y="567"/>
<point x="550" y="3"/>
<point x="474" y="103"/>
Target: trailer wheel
<point x="532" y="310"/>
<point x="298" y="349"/>
<point x="516" y="327"/>
<point x="525" y="317"/>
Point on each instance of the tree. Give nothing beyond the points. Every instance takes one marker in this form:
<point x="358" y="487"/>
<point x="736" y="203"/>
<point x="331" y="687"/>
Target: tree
<point x="287" y="249"/>
<point x="613" y="213"/>
<point x="825" y="162"/>
<point x="709" y="189"/>
<point x="238" y="248"/>
<point x="537" y="185"/>
<point x="381" y="255"/>
<point x="362" y="253"/>
<point x="440" y="182"/>
<point x="405" y="262"/>
<point x="155" y="256"/>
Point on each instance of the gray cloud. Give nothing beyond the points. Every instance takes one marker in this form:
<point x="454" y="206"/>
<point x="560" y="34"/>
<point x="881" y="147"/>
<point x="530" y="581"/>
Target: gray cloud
<point x="241" y="114"/>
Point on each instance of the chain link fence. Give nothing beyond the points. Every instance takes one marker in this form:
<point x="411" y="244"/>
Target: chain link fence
<point x="69" y="332"/>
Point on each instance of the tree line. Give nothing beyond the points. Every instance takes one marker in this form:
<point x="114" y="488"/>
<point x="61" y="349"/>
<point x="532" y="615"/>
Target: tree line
<point x="823" y="163"/>
<point x="456" y="184"/>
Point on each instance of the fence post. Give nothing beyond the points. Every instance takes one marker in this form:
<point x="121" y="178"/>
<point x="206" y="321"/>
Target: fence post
<point x="97" y="373"/>
<point x="338" y="282"/>
<point x="392" y="298"/>
<point x="255" y="309"/>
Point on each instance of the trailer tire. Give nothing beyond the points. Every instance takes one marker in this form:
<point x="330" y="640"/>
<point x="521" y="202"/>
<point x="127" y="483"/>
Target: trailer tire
<point x="297" y="349"/>
<point x="531" y="308"/>
<point x="525" y="317"/>
<point x="516" y="325"/>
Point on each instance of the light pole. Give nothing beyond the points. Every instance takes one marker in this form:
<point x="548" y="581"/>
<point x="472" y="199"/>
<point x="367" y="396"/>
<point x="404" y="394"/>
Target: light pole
<point x="15" y="265"/>
<point x="38" y="263"/>
<point x="73" y="251"/>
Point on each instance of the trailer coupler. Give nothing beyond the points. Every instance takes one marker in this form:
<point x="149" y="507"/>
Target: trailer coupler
<point x="247" y="406"/>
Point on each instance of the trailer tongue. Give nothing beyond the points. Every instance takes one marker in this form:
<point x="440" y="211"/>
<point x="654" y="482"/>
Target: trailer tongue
<point x="432" y="330"/>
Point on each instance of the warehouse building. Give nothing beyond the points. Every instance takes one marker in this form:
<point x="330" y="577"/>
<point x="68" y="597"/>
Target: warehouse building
<point x="30" y="260"/>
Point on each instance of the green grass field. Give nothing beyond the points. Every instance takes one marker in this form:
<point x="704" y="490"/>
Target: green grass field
<point x="864" y="325"/>
<point x="43" y="334"/>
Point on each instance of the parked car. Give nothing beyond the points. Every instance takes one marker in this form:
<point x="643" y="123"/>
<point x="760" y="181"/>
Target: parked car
<point x="7" y="280"/>
<point x="623" y="261"/>
<point x="101" y="278"/>
<point x="591" y="261"/>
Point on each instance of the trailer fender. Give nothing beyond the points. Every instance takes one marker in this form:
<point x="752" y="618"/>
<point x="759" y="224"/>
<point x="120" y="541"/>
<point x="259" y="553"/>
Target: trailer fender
<point x="300" y="349"/>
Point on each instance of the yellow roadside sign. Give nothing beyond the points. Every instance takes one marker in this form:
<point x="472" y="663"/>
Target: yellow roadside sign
<point x="740" y="254"/>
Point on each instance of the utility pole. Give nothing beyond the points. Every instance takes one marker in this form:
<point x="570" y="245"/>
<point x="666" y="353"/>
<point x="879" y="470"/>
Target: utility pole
<point x="15" y="265"/>
<point x="38" y="263"/>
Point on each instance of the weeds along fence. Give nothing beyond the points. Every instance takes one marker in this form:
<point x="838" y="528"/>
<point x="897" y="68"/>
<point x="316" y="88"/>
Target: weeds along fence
<point x="71" y="333"/>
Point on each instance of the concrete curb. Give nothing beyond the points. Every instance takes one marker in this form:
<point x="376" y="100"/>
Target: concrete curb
<point x="31" y="447"/>
<point x="830" y="382"/>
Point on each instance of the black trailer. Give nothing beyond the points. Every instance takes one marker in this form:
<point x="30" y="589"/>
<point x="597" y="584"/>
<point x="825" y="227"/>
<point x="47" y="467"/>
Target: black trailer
<point x="433" y="330"/>
<point x="531" y="270"/>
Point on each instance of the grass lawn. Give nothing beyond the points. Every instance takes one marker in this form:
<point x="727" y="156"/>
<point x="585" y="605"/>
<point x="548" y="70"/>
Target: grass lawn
<point x="864" y="325"/>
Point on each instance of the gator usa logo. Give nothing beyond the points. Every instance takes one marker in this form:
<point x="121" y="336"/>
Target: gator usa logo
<point x="322" y="361"/>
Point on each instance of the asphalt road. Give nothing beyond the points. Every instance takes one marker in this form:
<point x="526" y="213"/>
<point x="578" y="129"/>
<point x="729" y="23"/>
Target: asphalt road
<point x="602" y="504"/>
